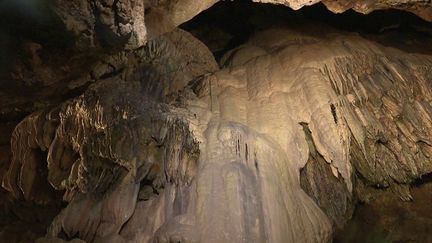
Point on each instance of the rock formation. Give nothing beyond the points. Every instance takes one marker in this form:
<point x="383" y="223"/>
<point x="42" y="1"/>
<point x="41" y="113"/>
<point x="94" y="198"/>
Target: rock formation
<point x="276" y="143"/>
<point x="131" y="23"/>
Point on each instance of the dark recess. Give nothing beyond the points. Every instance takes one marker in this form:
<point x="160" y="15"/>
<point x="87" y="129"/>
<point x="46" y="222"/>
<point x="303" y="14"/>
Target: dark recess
<point x="230" y="23"/>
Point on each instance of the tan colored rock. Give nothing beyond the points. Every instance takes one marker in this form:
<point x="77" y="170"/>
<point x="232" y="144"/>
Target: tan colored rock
<point x="354" y="97"/>
<point x="166" y="15"/>
<point x="421" y="8"/>
<point x="166" y="147"/>
<point x="98" y="147"/>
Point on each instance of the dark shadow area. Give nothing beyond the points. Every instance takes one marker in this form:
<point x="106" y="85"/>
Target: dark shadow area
<point x="38" y="57"/>
<point x="386" y="218"/>
<point x="423" y="180"/>
<point x="25" y="221"/>
<point x="24" y="21"/>
<point x="228" y="24"/>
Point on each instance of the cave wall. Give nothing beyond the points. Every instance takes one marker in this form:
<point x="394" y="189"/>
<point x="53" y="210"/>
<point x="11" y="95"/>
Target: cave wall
<point x="143" y="137"/>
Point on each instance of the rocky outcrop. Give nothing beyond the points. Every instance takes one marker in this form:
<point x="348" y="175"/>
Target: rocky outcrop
<point x="328" y="191"/>
<point x="148" y="139"/>
<point x="67" y="148"/>
<point x="52" y="43"/>
<point x="130" y="23"/>
<point x="271" y="89"/>
<point x="276" y="146"/>
<point x="104" y="22"/>
<point x="421" y="8"/>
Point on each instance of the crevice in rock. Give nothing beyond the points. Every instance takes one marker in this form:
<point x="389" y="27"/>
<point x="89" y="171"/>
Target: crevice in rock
<point x="424" y="179"/>
<point x="335" y="200"/>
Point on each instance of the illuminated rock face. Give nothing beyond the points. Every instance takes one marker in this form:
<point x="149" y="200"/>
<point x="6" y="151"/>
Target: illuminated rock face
<point x="280" y="103"/>
<point x="420" y="8"/>
<point x="159" y="143"/>
<point x="262" y="150"/>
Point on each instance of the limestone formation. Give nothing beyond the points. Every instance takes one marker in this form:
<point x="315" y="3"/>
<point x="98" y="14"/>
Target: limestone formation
<point x="156" y="142"/>
<point x="422" y="8"/>
<point x="104" y="22"/>
<point x="131" y="23"/>
<point x="218" y="158"/>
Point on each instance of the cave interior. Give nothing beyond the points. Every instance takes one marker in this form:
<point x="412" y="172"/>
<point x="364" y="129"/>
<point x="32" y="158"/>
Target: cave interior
<point x="44" y="67"/>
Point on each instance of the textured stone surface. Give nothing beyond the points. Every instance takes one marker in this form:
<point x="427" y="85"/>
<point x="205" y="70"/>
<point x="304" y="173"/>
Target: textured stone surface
<point x="99" y="147"/>
<point x="422" y="8"/>
<point x="163" y="146"/>
<point x="220" y="160"/>
<point x="273" y="85"/>
<point x="131" y="22"/>
<point x="327" y="190"/>
<point x="106" y="22"/>
<point x="163" y="66"/>
<point x="60" y="41"/>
